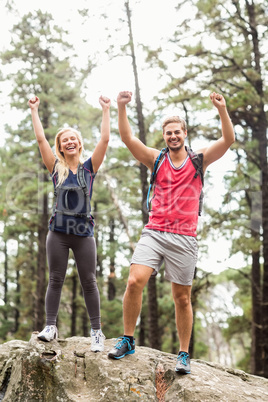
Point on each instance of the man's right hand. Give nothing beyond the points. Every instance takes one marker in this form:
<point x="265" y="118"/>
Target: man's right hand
<point x="124" y="97"/>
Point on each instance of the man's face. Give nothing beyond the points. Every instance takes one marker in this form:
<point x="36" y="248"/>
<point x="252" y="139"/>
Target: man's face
<point x="174" y="136"/>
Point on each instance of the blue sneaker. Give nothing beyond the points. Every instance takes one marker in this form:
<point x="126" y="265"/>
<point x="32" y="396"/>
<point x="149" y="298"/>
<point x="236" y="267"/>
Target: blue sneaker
<point x="122" y="348"/>
<point x="183" y="363"/>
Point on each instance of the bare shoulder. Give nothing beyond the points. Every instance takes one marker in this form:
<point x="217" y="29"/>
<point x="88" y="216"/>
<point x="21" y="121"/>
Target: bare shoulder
<point x="144" y="154"/>
<point x="153" y="153"/>
<point x="201" y="151"/>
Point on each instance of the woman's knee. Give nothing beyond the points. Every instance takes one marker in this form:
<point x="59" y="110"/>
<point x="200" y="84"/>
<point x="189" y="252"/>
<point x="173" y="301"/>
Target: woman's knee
<point x="56" y="282"/>
<point x="89" y="284"/>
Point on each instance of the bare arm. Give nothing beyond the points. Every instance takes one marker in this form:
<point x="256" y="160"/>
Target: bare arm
<point x="219" y="147"/>
<point x="45" y="149"/>
<point x="101" y="147"/>
<point x="140" y="151"/>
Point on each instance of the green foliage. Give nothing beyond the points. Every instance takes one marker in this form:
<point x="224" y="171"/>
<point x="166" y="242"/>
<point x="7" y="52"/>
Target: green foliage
<point x="166" y="310"/>
<point x="200" y="345"/>
<point x="212" y="50"/>
<point x="112" y="318"/>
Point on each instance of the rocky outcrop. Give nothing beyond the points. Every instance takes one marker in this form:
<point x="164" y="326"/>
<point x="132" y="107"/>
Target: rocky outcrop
<point x="66" y="370"/>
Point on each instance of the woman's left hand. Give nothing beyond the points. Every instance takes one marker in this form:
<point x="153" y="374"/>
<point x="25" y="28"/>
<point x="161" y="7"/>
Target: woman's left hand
<point x="104" y="102"/>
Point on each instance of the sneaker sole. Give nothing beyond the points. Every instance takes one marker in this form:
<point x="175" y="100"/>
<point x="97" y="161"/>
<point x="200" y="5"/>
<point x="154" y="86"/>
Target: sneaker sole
<point x="181" y="371"/>
<point x="120" y="357"/>
<point x="97" y="350"/>
<point x="42" y="338"/>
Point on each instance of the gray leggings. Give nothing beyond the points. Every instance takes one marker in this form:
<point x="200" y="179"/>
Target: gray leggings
<point x="84" y="249"/>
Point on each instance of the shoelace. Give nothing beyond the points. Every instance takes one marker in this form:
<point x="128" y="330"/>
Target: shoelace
<point x="49" y="328"/>
<point x="183" y="358"/>
<point x="97" y="337"/>
<point x="122" y="342"/>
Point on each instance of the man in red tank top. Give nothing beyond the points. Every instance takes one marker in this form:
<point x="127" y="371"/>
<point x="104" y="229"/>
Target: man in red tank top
<point x="170" y="235"/>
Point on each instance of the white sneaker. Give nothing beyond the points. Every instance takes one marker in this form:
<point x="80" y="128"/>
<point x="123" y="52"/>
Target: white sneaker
<point x="49" y="333"/>
<point x="97" y="340"/>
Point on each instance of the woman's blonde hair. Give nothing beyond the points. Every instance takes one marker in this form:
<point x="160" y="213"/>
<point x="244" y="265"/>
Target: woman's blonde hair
<point x="62" y="167"/>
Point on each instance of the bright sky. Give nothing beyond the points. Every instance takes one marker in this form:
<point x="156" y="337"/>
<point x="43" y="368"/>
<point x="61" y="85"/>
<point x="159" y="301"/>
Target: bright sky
<point x="152" y="20"/>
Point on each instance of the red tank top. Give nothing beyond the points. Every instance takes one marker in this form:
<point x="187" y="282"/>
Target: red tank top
<point x="175" y="200"/>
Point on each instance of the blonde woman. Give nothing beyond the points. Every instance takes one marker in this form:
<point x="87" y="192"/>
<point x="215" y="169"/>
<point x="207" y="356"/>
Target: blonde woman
<point x="71" y="224"/>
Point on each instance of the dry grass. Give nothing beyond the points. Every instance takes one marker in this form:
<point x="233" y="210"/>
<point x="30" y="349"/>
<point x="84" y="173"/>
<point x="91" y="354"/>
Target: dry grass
<point x="160" y="383"/>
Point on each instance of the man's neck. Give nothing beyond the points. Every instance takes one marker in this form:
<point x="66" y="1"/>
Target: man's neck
<point x="178" y="156"/>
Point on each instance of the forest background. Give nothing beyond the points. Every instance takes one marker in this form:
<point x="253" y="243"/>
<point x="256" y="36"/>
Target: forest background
<point x="171" y="54"/>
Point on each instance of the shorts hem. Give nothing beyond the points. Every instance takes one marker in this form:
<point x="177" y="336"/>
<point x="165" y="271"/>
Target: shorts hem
<point x="146" y="265"/>
<point x="177" y="282"/>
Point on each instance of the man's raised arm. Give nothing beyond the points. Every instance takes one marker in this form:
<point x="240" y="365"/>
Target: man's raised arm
<point x="140" y="151"/>
<point x="219" y="147"/>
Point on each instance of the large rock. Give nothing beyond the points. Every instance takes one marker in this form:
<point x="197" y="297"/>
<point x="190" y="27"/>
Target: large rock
<point x="66" y="370"/>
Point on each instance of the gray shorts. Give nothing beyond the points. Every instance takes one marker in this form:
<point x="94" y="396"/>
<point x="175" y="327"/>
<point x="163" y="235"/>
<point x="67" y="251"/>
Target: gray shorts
<point x="178" y="252"/>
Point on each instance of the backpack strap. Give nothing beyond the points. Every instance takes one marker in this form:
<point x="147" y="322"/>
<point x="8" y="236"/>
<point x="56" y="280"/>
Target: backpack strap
<point x="197" y="161"/>
<point x="83" y="184"/>
<point x="153" y="175"/>
<point x="52" y="219"/>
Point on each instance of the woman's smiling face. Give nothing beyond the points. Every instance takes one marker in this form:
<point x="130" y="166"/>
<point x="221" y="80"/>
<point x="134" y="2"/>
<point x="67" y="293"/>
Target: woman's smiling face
<point x="69" y="143"/>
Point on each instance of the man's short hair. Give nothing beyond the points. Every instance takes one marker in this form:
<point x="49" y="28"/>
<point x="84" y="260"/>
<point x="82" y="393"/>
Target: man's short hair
<point x="174" y="119"/>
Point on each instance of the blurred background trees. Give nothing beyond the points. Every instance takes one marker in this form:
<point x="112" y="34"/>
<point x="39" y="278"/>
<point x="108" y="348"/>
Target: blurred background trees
<point x="217" y="46"/>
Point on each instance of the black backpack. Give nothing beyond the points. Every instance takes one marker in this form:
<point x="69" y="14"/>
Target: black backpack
<point x="59" y="196"/>
<point x="197" y="161"/>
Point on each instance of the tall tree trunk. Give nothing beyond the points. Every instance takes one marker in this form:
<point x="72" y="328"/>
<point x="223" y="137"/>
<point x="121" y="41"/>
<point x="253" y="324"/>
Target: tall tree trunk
<point x="17" y="303"/>
<point x="256" y="327"/>
<point x="119" y="210"/>
<point x="192" y="339"/>
<point x="5" y="280"/>
<point x="85" y="320"/>
<point x="264" y="170"/>
<point x="74" y="304"/>
<point x="111" y="278"/>
<point x="41" y="256"/>
<point x="154" y="338"/>
<point x="99" y="257"/>
<point x="259" y="128"/>
<point x="194" y="295"/>
<point x="142" y="334"/>
<point x="17" y="299"/>
<point x="174" y="339"/>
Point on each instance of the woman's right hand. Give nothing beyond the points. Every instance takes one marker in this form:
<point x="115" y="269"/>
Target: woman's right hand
<point x="34" y="102"/>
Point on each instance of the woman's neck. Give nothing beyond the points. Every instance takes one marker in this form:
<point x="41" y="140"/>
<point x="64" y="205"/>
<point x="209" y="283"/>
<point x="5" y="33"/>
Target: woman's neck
<point x="73" y="163"/>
